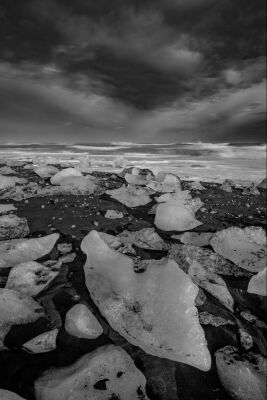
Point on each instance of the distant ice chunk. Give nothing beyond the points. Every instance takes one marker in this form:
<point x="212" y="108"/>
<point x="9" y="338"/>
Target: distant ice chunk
<point x="64" y="173"/>
<point x="120" y="162"/>
<point x="46" y="171"/>
<point x="176" y="212"/>
<point x="131" y="196"/>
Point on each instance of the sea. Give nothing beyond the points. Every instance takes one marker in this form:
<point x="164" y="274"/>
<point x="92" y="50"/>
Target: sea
<point x="242" y="162"/>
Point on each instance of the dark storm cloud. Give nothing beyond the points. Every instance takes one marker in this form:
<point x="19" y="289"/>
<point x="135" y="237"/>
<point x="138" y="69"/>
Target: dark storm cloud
<point x="150" y="58"/>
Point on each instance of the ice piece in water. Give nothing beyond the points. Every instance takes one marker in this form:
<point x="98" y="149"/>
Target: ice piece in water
<point x="30" y="278"/>
<point x="7" y="395"/>
<point x="67" y="172"/>
<point x="17" y="251"/>
<point x="42" y="343"/>
<point x="176" y="212"/>
<point x="242" y="375"/>
<point x="12" y="227"/>
<point x="212" y="283"/>
<point x="131" y="196"/>
<point x="82" y="323"/>
<point x="15" y="309"/>
<point x="258" y="283"/>
<point x="46" y="171"/>
<point x="154" y="310"/>
<point x="244" y="247"/>
<point x="105" y="373"/>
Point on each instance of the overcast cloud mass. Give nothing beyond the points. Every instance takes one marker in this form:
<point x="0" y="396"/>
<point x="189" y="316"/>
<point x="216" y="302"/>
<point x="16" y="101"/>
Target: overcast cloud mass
<point x="132" y="70"/>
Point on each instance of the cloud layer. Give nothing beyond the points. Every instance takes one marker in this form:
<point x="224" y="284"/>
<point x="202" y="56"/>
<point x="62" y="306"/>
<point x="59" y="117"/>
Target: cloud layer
<point x="114" y="70"/>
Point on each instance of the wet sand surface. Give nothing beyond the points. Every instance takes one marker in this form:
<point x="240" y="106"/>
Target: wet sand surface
<point x="73" y="216"/>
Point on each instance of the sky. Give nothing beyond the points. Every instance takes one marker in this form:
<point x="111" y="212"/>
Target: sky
<point x="75" y="71"/>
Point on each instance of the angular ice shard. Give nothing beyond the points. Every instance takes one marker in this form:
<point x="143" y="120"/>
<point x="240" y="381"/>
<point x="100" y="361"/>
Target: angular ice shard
<point x="154" y="310"/>
<point x="212" y="283"/>
<point x="17" y="251"/>
<point x="245" y="247"/>
<point x="242" y="375"/>
<point x="30" y="278"/>
<point x="15" y="309"/>
<point x="42" y="343"/>
<point x="131" y="196"/>
<point x="263" y="184"/>
<point x="67" y="172"/>
<point x="176" y="212"/>
<point x="12" y="227"/>
<point x="7" y="395"/>
<point x="105" y="373"/>
<point x="258" y="283"/>
<point x="82" y="323"/>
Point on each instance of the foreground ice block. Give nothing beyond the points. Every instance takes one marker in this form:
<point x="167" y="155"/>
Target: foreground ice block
<point x="154" y="310"/>
<point x="105" y="373"/>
